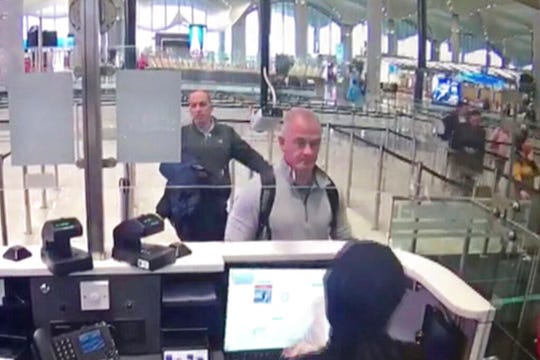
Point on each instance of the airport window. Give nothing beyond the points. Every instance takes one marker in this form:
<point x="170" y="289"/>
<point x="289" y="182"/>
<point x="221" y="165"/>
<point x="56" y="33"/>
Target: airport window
<point x="252" y="34"/>
<point x="359" y="38"/>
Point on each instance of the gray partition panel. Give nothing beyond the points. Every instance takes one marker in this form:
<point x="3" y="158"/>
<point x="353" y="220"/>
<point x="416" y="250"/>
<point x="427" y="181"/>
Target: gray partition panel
<point x="11" y="38"/>
<point x="41" y="119"/>
<point x="148" y="113"/>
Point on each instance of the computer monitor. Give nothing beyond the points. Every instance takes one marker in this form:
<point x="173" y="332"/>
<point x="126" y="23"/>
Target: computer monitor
<point x="273" y="309"/>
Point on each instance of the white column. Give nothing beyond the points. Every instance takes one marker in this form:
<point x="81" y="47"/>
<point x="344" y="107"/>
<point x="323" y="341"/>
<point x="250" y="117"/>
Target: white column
<point x="238" y="35"/>
<point x="301" y="30"/>
<point x="392" y="38"/>
<point x="374" y="28"/>
<point x="116" y="33"/>
<point x="455" y="38"/>
<point x="435" y="50"/>
<point x="76" y="60"/>
<point x="346" y="40"/>
<point x="536" y="61"/>
<point x="11" y="39"/>
<point x="504" y="50"/>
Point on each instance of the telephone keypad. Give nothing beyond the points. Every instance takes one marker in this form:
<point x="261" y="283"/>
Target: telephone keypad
<point x="64" y="349"/>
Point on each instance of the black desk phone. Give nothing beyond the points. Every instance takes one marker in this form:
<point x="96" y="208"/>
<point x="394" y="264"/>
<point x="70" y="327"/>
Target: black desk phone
<point x="88" y="343"/>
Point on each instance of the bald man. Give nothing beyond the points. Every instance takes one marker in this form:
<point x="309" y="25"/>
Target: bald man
<point x="211" y="145"/>
<point x="304" y="201"/>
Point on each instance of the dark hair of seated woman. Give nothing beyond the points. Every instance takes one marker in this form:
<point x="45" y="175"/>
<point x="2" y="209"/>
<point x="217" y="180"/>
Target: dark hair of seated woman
<point x="364" y="286"/>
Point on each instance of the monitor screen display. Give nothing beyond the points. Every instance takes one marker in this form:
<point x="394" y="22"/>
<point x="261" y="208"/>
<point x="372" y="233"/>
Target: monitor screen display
<point x="91" y="341"/>
<point x="445" y="90"/>
<point x="274" y="308"/>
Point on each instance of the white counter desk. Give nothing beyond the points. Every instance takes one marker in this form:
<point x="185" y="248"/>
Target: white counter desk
<point x="213" y="257"/>
<point x="206" y="258"/>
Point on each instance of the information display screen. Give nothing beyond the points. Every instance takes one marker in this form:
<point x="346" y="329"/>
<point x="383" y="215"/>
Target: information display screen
<point x="445" y="90"/>
<point x="197" y="36"/>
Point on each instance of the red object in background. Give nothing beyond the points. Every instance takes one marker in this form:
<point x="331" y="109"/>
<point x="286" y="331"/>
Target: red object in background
<point x="27" y="65"/>
<point x="142" y="63"/>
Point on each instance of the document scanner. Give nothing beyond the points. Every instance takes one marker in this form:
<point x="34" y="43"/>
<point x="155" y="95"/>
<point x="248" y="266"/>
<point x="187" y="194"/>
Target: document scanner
<point x="129" y="248"/>
<point x="56" y="250"/>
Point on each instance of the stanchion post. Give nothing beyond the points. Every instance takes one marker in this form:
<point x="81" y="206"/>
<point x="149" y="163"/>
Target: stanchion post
<point x="27" y="212"/>
<point x="510" y="174"/>
<point x="327" y="148"/>
<point x="233" y="180"/>
<point x="56" y="178"/>
<point x="43" y="191"/>
<point x="271" y="146"/>
<point x="378" y="194"/>
<point x="350" y="168"/>
<point x="417" y="179"/>
<point x="3" y="221"/>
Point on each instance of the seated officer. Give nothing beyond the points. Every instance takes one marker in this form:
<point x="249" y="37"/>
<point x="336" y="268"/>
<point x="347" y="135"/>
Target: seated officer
<point x="359" y="306"/>
<point x="298" y="201"/>
<point x="199" y="213"/>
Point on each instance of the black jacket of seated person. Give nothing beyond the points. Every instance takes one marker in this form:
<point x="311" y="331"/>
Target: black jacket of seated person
<point x="363" y="288"/>
<point x="214" y="151"/>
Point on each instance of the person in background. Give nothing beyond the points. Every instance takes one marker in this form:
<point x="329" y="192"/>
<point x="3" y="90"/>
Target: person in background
<point x="142" y="62"/>
<point x="467" y="149"/>
<point x="359" y="307"/>
<point x="454" y="118"/>
<point x="207" y="149"/>
<point x="304" y="203"/>
<point x="501" y="142"/>
<point x="524" y="171"/>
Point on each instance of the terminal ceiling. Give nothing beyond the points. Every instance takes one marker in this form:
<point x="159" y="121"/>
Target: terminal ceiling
<point x="506" y="24"/>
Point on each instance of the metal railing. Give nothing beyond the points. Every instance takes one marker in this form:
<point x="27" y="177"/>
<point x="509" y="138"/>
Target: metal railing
<point x="3" y="212"/>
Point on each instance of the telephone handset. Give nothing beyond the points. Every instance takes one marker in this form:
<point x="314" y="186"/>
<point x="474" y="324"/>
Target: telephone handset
<point x="89" y="343"/>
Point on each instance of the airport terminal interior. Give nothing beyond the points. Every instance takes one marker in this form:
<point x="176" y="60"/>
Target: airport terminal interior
<point x="121" y="199"/>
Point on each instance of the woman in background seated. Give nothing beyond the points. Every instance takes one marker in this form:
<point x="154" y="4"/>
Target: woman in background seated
<point x="363" y="288"/>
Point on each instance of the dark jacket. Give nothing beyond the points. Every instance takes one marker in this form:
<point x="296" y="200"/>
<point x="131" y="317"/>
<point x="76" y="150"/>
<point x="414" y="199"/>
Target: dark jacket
<point x="215" y="151"/>
<point x="390" y="350"/>
<point x="198" y="187"/>
<point x="182" y="195"/>
<point x="468" y="144"/>
<point x="450" y="122"/>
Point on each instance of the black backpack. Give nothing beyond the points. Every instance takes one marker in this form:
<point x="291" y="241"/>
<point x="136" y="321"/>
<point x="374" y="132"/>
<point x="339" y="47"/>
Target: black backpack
<point x="268" y="195"/>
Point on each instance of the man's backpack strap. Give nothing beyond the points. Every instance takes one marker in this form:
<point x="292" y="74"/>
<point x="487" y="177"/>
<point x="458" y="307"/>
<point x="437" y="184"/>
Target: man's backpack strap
<point x="333" y="198"/>
<point x="266" y="202"/>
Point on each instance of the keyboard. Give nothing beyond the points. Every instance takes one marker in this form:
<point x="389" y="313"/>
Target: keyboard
<point x="255" y="355"/>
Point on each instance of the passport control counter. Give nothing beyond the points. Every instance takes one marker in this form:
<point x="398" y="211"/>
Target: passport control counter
<point x="223" y="298"/>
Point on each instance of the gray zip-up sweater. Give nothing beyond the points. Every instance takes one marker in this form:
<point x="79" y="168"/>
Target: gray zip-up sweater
<point x="297" y="213"/>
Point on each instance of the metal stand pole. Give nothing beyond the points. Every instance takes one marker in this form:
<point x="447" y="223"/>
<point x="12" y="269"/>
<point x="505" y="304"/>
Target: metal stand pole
<point x="27" y="212"/>
<point x="92" y="128"/>
<point x="327" y="148"/>
<point x="56" y="178"/>
<point x="379" y="188"/>
<point x="233" y="180"/>
<point x="43" y="191"/>
<point x="271" y="146"/>
<point x="350" y="168"/>
<point x="3" y="221"/>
